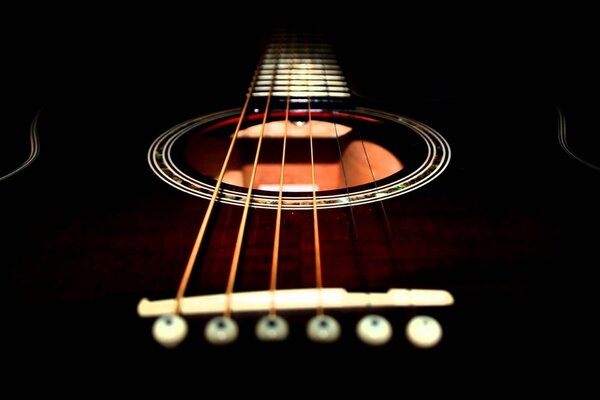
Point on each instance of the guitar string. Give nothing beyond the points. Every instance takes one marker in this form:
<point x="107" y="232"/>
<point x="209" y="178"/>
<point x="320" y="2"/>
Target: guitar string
<point x="242" y="228"/>
<point x="317" y="244"/>
<point x="277" y="234"/>
<point x="353" y="224"/>
<point x="350" y="208"/>
<point x="352" y="217"/>
<point x="183" y="284"/>
<point x="387" y="225"/>
<point x="388" y="232"/>
<point x="317" y="241"/>
<point x="354" y="230"/>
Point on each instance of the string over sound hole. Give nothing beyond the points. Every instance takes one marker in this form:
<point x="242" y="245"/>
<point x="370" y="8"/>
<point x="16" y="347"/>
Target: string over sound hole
<point x="361" y="156"/>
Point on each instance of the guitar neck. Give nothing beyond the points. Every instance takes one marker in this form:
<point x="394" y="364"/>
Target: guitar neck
<point x="300" y="67"/>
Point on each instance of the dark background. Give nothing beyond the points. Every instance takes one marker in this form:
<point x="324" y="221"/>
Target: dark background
<point x="405" y="52"/>
<point x="152" y="67"/>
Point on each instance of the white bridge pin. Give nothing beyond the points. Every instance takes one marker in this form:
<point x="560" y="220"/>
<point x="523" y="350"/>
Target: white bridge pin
<point x="169" y="330"/>
<point x="423" y="331"/>
<point x="323" y="328"/>
<point x="272" y="328"/>
<point x="221" y="330"/>
<point x="374" y="330"/>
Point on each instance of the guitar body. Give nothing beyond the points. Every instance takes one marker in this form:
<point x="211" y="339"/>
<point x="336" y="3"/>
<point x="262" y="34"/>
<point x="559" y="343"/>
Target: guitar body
<point x="90" y="230"/>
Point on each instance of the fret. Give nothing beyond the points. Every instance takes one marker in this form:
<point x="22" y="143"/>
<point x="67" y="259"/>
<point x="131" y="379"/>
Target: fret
<point x="300" y="59"/>
<point x="302" y="76"/>
<point x="291" y="64"/>
<point x="300" y="71"/>
<point x="300" y="67"/>
<point x="299" y="46"/>
<point x="299" y="88"/>
<point x="299" y="54"/>
<point x="296" y="82"/>
<point x="302" y="94"/>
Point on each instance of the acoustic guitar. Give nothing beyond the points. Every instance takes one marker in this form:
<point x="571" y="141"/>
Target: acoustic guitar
<point x="304" y="222"/>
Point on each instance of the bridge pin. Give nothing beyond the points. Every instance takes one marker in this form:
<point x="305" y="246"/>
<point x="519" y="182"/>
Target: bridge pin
<point x="374" y="330"/>
<point x="221" y="330"/>
<point x="169" y="330"/>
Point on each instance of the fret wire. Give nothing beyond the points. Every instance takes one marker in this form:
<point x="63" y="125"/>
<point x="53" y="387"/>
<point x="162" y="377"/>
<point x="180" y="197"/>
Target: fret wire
<point x="302" y="82"/>
<point x="302" y="88"/>
<point x="300" y="56"/>
<point x="300" y="76"/>
<point x="319" y="51"/>
<point x="307" y="71"/>
<point x="307" y="46"/>
<point x="312" y="65"/>
<point x="304" y="94"/>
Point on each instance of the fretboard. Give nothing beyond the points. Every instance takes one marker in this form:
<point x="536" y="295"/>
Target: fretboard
<point x="301" y="68"/>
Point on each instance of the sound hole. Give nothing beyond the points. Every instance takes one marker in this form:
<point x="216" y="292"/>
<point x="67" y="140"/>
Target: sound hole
<point x="341" y="157"/>
<point x="360" y="156"/>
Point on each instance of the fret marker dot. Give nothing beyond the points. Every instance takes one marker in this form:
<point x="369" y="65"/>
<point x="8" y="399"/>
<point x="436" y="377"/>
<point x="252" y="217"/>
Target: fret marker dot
<point x="272" y="328"/>
<point x="169" y="330"/>
<point x="221" y="330"/>
<point x="323" y="328"/>
<point x="423" y="331"/>
<point x="374" y="330"/>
